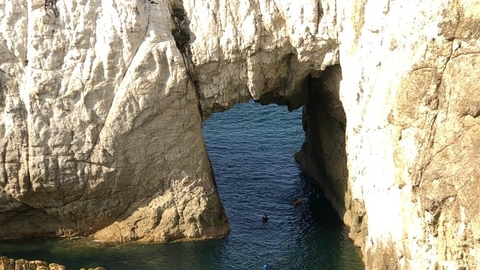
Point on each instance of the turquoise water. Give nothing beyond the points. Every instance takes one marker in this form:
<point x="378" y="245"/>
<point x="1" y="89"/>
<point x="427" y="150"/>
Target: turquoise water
<point x="251" y="148"/>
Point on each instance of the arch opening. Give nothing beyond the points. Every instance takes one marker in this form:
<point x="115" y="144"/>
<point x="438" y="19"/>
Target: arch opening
<point x="251" y="149"/>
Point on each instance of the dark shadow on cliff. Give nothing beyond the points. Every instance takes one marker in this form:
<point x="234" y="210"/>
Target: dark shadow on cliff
<point x="323" y="155"/>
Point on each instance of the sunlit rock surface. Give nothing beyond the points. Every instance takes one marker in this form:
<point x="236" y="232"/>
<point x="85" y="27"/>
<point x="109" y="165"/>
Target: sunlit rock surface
<point x="411" y="104"/>
<point x="101" y="132"/>
<point x="11" y="264"/>
<point x="102" y="109"/>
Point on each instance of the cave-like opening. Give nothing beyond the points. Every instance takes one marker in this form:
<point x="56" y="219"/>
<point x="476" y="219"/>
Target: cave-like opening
<point x="251" y="148"/>
<point x="323" y="155"/>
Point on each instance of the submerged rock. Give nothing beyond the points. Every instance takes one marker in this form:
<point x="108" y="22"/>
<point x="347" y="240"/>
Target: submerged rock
<point x="11" y="264"/>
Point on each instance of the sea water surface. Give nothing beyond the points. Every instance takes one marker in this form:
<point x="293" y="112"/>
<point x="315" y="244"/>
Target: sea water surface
<point x="251" y="148"/>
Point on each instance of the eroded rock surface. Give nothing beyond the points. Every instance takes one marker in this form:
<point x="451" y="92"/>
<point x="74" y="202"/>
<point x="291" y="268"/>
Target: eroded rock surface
<point x="11" y="264"/>
<point x="100" y="125"/>
<point x="412" y="108"/>
<point x="101" y="116"/>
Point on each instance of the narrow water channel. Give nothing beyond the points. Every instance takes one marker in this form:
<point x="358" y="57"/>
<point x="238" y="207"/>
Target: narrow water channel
<point x="251" y="148"/>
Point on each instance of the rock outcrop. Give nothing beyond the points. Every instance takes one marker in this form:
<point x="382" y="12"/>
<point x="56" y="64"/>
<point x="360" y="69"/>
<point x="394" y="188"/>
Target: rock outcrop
<point x="411" y="108"/>
<point x="102" y="104"/>
<point x="11" y="264"/>
<point x="100" y="132"/>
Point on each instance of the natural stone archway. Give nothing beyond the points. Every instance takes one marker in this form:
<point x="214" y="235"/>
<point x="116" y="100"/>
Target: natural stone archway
<point x="101" y="115"/>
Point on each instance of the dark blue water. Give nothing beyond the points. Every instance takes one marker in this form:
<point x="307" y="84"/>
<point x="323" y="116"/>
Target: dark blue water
<point x="251" y="148"/>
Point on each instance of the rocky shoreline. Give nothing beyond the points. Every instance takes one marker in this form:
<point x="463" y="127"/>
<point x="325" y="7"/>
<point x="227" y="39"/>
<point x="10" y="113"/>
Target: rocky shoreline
<point x="12" y="264"/>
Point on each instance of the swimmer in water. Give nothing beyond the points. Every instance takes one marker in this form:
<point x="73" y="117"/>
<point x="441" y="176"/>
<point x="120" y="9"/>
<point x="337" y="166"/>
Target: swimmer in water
<point x="298" y="201"/>
<point x="265" y="218"/>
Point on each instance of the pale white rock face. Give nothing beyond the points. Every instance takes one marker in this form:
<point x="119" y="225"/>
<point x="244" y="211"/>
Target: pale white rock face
<point x="99" y="121"/>
<point x="101" y="115"/>
<point x="411" y="108"/>
<point x="248" y="48"/>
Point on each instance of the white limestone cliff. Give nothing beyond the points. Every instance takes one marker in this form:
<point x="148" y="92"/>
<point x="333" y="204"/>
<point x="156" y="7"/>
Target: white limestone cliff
<point x="410" y="100"/>
<point x="100" y="125"/>
<point x="101" y="116"/>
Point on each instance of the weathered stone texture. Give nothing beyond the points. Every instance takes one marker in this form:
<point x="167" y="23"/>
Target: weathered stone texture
<point x="21" y="264"/>
<point x="260" y="49"/>
<point x="411" y="108"/>
<point x="100" y="125"/>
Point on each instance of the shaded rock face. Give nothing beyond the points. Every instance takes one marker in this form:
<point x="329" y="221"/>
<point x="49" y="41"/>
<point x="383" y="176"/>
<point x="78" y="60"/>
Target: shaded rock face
<point x="323" y="154"/>
<point x="102" y="104"/>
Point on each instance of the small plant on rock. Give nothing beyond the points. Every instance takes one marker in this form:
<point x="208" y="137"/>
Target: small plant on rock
<point x="181" y="33"/>
<point x="182" y="38"/>
<point x="178" y="15"/>
<point x="51" y="5"/>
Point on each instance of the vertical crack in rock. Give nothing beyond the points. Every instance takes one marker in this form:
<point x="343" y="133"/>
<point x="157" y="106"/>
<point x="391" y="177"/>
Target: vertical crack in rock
<point x="24" y="113"/>
<point x="182" y="35"/>
<point x="433" y="107"/>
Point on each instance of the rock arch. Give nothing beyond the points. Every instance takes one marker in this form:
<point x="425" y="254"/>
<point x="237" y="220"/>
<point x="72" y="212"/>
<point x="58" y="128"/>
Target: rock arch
<point x="93" y="102"/>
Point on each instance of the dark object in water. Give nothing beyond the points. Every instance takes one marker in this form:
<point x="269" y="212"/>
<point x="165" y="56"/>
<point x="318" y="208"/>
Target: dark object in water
<point x="298" y="201"/>
<point x="265" y="218"/>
